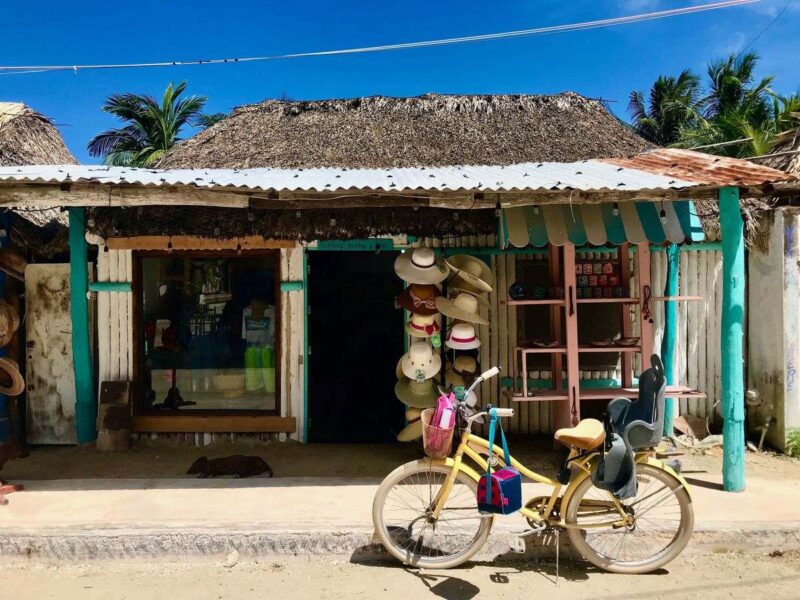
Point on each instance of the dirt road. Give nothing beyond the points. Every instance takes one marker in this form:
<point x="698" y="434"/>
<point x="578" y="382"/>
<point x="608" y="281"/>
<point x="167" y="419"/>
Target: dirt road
<point x="696" y="576"/>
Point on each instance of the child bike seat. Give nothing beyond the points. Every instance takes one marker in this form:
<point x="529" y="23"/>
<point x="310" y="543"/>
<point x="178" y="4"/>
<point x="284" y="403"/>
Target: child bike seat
<point x="586" y="435"/>
<point x="640" y="422"/>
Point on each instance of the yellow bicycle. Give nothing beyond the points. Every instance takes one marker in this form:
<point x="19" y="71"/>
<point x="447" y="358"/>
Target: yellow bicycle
<point x="426" y="514"/>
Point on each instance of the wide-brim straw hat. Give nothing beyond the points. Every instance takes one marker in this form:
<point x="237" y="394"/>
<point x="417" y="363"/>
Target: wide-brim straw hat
<point x="470" y="274"/>
<point x="420" y="362"/>
<point x="462" y="371"/>
<point x="11" y="380"/>
<point x="464" y="307"/>
<point x="9" y="322"/>
<point x="421" y="265"/>
<point x="461" y="336"/>
<point x="422" y="326"/>
<point x="415" y="394"/>
<point x="419" y="299"/>
<point x="412" y="431"/>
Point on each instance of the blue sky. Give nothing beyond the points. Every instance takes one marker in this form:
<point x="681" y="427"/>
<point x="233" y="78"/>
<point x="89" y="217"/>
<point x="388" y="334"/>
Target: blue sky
<point x="606" y="63"/>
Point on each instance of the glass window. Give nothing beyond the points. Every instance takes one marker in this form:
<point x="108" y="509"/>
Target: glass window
<point x="209" y="332"/>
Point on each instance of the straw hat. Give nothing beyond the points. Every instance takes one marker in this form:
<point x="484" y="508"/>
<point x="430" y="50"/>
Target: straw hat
<point x="413" y="430"/>
<point x="421" y="265"/>
<point x="419" y="299"/>
<point x="463" y="308"/>
<point x="422" y="326"/>
<point x="461" y="336"/>
<point x="416" y="394"/>
<point x="470" y="274"/>
<point x="9" y="322"/>
<point x="9" y="372"/>
<point x="461" y="372"/>
<point x="420" y="363"/>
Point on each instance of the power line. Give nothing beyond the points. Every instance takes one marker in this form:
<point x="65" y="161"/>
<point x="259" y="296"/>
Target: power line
<point x="770" y="24"/>
<point x="27" y="69"/>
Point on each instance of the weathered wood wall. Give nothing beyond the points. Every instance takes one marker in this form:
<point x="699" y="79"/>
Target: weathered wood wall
<point x="697" y="352"/>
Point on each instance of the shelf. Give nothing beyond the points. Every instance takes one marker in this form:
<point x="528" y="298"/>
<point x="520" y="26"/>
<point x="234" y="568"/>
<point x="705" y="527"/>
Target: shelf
<point x="673" y="391"/>
<point x="607" y="300"/>
<point x="547" y="301"/>
<point x="675" y="298"/>
<point x="548" y="396"/>
<point x="535" y="350"/>
<point x="610" y="349"/>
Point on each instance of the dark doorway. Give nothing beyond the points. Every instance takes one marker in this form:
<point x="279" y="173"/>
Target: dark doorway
<point x="356" y="339"/>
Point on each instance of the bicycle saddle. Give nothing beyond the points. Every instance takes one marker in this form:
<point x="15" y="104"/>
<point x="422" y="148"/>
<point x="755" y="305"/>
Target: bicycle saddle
<point x="641" y="422"/>
<point x="586" y="435"/>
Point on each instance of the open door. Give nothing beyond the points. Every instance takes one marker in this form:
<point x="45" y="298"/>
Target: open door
<point x="355" y="341"/>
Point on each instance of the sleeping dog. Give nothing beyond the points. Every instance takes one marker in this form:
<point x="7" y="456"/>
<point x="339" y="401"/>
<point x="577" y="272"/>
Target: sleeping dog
<point x="237" y="465"/>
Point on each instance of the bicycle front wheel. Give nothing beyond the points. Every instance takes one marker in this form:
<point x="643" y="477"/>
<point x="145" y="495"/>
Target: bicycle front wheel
<point x="658" y="523"/>
<point x="402" y="515"/>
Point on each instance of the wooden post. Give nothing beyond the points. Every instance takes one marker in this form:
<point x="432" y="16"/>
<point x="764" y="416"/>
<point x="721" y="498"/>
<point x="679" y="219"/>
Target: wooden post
<point x="731" y="334"/>
<point x="5" y="421"/>
<point x="85" y="399"/>
<point x="670" y="330"/>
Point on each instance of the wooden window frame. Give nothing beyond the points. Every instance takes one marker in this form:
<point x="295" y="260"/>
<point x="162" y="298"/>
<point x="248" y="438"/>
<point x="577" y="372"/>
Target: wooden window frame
<point x="270" y="418"/>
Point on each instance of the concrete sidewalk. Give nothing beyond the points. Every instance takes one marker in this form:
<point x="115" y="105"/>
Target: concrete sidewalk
<point x="76" y="519"/>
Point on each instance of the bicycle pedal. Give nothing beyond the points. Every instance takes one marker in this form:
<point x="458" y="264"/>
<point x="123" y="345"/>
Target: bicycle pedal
<point x="517" y="545"/>
<point x="532" y="531"/>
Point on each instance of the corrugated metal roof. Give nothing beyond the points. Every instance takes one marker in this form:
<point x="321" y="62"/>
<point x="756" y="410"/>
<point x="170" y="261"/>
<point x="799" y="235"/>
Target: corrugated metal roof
<point x="701" y="168"/>
<point x="659" y="170"/>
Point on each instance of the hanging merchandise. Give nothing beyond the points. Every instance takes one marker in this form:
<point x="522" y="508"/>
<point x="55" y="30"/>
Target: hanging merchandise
<point x="463" y="308"/>
<point x="419" y="299"/>
<point x="499" y="492"/>
<point x="422" y="326"/>
<point x="420" y="363"/>
<point x="412" y="431"/>
<point x="415" y="394"/>
<point x="421" y="265"/>
<point x="438" y="426"/>
<point x="470" y="274"/>
<point x="461" y="372"/>
<point x="461" y="336"/>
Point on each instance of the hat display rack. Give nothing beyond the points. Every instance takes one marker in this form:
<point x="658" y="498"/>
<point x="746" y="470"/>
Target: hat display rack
<point x="11" y="381"/>
<point x="437" y="290"/>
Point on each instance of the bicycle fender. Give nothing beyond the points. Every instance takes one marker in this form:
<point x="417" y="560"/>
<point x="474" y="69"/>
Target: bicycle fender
<point x="660" y="464"/>
<point x="450" y="464"/>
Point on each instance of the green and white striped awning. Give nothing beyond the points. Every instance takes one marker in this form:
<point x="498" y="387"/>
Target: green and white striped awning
<point x="600" y="224"/>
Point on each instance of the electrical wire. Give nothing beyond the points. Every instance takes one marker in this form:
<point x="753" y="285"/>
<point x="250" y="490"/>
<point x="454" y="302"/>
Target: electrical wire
<point x="582" y="26"/>
<point x="770" y="24"/>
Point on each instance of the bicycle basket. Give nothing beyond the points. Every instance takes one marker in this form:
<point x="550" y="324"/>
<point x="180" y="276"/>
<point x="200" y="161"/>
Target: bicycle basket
<point x="437" y="441"/>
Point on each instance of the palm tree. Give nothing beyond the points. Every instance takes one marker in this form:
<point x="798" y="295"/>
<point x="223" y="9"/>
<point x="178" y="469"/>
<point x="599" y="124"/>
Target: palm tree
<point x="151" y="127"/>
<point x="732" y="89"/>
<point x="672" y="108"/>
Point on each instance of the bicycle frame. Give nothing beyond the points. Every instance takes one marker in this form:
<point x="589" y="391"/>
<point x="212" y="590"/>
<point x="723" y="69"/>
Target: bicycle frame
<point x="584" y="461"/>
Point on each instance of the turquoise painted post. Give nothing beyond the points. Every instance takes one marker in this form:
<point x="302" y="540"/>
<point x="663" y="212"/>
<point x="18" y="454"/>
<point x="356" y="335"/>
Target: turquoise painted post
<point x="85" y="400"/>
<point x="670" y="330"/>
<point x="733" y="282"/>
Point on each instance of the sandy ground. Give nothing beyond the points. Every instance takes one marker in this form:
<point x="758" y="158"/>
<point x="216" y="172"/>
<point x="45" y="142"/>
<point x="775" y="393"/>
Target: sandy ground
<point x="289" y="459"/>
<point x="708" y="577"/>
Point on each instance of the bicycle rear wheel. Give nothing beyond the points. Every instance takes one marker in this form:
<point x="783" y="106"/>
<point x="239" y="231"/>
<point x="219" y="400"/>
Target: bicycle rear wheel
<point x="660" y="523"/>
<point x="401" y="513"/>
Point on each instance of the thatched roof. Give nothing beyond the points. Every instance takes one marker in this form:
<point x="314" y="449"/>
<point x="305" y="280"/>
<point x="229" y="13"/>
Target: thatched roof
<point x="787" y="151"/>
<point x="29" y="138"/>
<point x="429" y="130"/>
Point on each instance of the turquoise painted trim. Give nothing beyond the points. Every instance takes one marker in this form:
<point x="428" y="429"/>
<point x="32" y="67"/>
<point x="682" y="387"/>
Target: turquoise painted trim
<point x="292" y="286"/>
<point x="615" y="230"/>
<point x="574" y="220"/>
<point x="366" y="244"/>
<point x="731" y="338"/>
<point x="651" y="221"/>
<point x="670" y="334"/>
<point x="537" y="231"/>
<point x="690" y="222"/>
<point x="305" y="345"/>
<point x="110" y="286"/>
<point x="693" y="247"/>
<point x="85" y="398"/>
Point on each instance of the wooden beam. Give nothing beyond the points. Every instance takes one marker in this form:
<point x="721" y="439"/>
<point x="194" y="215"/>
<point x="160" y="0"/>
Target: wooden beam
<point x="213" y="424"/>
<point x="670" y="334"/>
<point x="85" y="399"/>
<point x="13" y="263"/>
<point x="731" y="336"/>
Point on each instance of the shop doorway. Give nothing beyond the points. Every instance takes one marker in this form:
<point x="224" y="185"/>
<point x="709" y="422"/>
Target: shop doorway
<point x="355" y="339"/>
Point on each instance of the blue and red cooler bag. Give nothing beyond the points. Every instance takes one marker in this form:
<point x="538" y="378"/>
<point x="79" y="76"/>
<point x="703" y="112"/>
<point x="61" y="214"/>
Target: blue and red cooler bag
<point x="500" y="492"/>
